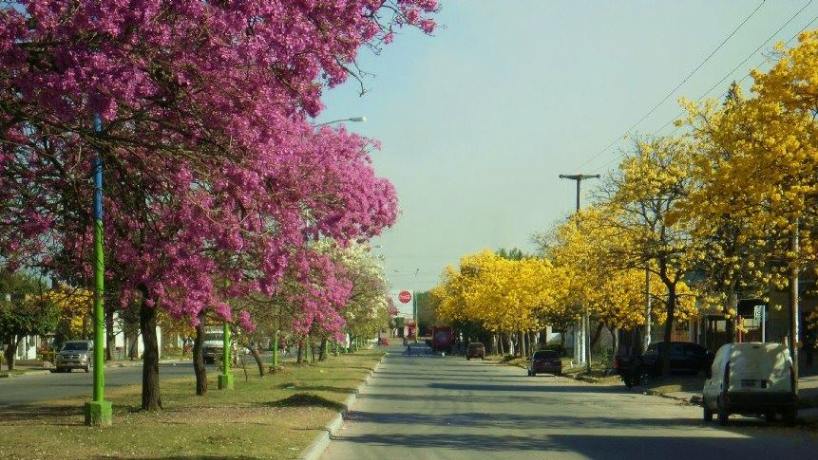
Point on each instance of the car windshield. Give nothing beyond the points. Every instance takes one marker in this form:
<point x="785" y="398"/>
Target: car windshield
<point x="546" y="355"/>
<point x="75" y="346"/>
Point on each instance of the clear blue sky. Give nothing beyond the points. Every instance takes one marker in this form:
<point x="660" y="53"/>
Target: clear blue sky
<point x="477" y="121"/>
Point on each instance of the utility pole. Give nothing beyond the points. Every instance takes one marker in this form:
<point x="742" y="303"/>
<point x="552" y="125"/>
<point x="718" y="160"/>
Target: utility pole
<point x="98" y="411"/>
<point x="794" y="310"/>
<point x="646" y="339"/>
<point x="582" y="344"/>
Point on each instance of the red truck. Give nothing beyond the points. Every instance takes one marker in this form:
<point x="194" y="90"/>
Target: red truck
<point x="442" y="339"/>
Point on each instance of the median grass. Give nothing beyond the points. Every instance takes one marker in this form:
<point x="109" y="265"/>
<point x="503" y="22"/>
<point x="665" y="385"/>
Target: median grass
<point x="274" y="416"/>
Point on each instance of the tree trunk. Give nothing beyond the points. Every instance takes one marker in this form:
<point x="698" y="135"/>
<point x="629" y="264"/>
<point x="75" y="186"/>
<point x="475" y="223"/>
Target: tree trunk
<point x="133" y="346"/>
<point x="110" y="339"/>
<point x="254" y="351"/>
<point x="523" y="345"/>
<point x="671" y="311"/>
<point x="597" y="335"/>
<point x="312" y="350"/>
<point x="322" y="355"/>
<point x="615" y="334"/>
<point x="732" y="304"/>
<point x="199" y="368"/>
<point x="151" y="398"/>
<point x="500" y="347"/>
<point x="10" y="352"/>
<point x="300" y="358"/>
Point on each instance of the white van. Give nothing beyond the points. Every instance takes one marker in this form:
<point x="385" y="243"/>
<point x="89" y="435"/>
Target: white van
<point x="750" y="379"/>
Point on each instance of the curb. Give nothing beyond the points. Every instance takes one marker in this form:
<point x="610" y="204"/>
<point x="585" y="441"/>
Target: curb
<point x="37" y="372"/>
<point x="695" y="400"/>
<point x="321" y="442"/>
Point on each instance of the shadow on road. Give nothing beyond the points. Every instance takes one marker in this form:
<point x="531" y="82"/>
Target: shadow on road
<point x="602" y="446"/>
<point x="528" y="388"/>
<point x="518" y="421"/>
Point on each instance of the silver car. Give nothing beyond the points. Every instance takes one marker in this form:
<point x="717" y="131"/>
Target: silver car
<point x="75" y="354"/>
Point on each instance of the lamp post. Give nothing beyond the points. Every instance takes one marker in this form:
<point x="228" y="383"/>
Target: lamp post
<point x="226" y="377"/>
<point x="582" y="347"/>
<point x="98" y="411"/>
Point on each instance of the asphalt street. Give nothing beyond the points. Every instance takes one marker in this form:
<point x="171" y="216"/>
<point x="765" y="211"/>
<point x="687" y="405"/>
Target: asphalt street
<point x="32" y="388"/>
<point x="425" y="407"/>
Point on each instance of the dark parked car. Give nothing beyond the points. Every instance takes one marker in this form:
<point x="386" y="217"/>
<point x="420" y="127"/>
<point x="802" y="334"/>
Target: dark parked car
<point x="545" y="362"/>
<point x="685" y="358"/>
<point x="476" y="350"/>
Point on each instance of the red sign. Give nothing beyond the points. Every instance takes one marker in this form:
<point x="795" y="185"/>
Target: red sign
<point x="405" y="296"/>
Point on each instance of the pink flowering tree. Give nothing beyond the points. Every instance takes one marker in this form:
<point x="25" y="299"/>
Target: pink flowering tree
<point x="214" y="176"/>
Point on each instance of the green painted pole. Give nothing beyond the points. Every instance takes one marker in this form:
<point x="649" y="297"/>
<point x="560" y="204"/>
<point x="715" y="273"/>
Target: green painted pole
<point x="275" y="350"/>
<point x="99" y="314"/>
<point x="98" y="411"/>
<point x="226" y="378"/>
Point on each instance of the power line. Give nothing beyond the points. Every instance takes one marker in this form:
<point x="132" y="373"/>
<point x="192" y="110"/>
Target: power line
<point x="727" y="75"/>
<point x="679" y="85"/>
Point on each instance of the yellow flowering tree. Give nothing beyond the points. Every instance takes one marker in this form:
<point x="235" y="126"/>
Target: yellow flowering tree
<point x="74" y="306"/>
<point x="501" y="295"/>
<point x="650" y="182"/>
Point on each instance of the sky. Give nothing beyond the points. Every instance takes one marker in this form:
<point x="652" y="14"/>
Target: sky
<point x="477" y="121"/>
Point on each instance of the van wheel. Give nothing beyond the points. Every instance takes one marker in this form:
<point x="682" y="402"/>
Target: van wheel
<point x="708" y="414"/>
<point x="723" y="416"/>
<point x="790" y="416"/>
<point x="468" y="358"/>
<point x="769" y="416"/>
<point x="644" y="379"/>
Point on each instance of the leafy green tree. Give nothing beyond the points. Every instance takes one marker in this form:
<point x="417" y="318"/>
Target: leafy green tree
<point x="23" y="311"/>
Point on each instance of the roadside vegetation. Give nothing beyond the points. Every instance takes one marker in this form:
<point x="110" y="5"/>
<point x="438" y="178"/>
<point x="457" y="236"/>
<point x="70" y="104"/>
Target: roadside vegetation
<point x="275" y="416"/>
<point x="723" y="209"/>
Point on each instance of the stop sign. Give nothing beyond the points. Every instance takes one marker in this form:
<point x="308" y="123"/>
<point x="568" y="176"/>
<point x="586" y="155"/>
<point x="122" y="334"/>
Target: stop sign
<point x="405" y="296"/>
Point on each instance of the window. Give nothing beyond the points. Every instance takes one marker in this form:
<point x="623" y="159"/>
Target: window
<point x="75" y="346"/>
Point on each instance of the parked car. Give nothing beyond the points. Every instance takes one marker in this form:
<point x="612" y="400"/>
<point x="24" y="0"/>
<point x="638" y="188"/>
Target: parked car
<point x="74" y="354"/>
<point x="213" y="346"/>
<point x="750" y="379"/>
<point x="545" y="361"/>
<point x="685" y="357"/>
<point x="476" y="350"/>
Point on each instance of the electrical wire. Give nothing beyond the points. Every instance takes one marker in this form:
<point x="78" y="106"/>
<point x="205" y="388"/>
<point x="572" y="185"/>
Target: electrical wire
<point x="727" y="75"/>
<point x="676" y="88"/>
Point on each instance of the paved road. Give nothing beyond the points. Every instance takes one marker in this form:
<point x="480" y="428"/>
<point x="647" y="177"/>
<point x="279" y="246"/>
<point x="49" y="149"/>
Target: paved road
<point x="450" y="408"/>
<point x="32" y="388"/>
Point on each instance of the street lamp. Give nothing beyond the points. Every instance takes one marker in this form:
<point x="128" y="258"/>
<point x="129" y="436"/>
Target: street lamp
<point x="341" y="120"/>
<point x="98" y="410"/>
<point x="585" y="355"/>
